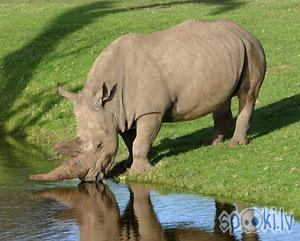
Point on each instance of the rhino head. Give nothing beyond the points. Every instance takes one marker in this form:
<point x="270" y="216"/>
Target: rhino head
<point x="92" y="152"/>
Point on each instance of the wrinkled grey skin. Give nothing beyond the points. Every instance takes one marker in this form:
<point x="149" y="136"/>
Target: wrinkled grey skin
<point x="140" y="81"/>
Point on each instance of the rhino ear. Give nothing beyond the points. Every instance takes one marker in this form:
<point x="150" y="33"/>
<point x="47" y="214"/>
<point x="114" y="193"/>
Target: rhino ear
<point x="104" y="94"/>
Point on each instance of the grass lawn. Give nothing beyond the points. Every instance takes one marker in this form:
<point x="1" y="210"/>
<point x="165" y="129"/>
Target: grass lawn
<point x="45" y="42"/>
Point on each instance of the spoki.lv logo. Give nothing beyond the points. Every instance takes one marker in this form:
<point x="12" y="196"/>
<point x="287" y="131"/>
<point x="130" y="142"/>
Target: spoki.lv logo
<point x="254" y="220"/>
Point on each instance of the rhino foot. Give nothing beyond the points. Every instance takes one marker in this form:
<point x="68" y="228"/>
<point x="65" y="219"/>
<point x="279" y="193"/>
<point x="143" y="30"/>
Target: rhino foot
<point x="139" y="167"/>
<point x="238" y="141"/>
<point x="213" y="140"/>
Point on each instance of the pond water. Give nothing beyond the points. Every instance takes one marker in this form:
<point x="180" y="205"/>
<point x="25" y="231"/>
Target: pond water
<point x="110" y="211"/>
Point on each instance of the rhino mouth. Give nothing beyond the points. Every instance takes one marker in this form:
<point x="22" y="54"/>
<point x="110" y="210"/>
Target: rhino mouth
<point x="98" y="174"/>
<point x="76" y="166"/>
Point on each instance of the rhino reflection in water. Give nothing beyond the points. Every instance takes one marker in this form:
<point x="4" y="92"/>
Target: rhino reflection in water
<point x="95" y="210"/>
<point x="139" y="81"/>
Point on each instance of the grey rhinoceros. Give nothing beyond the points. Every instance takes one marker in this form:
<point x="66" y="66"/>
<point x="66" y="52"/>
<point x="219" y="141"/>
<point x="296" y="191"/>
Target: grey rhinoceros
<point x="139" y="81"/>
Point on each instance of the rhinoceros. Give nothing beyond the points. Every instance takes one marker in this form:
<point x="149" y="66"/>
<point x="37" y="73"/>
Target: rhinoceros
<point x="140" y="81"/>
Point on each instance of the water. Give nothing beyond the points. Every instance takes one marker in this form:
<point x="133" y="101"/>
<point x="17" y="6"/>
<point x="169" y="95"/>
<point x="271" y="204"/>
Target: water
<point x="72" y="211"/>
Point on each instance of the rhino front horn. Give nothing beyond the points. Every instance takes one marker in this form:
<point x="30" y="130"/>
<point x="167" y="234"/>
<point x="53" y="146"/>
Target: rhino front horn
<point x="66" y="171"/>
<point x="67" y="94"/>
<point x="59" y="173"/>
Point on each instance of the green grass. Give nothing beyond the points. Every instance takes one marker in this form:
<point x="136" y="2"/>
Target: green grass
<point x="45" y="42"/>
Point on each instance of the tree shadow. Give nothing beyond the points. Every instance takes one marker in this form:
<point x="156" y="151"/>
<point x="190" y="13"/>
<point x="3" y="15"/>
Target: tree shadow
<point x="19" y="66"/>
<point x="171" y="147"/>
<point x="265" y="120"/>
<point x="224" y="5"/>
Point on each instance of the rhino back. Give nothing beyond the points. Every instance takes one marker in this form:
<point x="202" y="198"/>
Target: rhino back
<point x="191" y="68"/>
<point x="185" y="71"/>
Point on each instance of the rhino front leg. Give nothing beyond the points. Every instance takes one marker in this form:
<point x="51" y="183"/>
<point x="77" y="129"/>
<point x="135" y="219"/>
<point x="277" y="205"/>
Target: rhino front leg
<point x="128" y="138"/>
<point x="147" y="127"/>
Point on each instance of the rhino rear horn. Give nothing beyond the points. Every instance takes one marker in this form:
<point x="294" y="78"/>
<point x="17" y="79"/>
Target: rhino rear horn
<point x="67" y="94"/>
<point x="69" y="148"/>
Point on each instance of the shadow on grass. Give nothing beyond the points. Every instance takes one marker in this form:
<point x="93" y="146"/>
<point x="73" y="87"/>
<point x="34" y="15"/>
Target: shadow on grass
<point x="19" y="66"/>
<point x="223" y="5"/>
<point x="266" y="119"/>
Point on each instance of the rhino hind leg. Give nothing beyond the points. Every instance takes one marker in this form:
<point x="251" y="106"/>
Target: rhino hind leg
<point x="148" y="127"/>
<point x="223" y="121"/>
<point x="246" y="106"/>
<point x="251" y="80"/>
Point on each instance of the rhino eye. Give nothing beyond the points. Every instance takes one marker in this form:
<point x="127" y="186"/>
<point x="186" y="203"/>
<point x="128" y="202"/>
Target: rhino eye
<point x="99" y="145"/>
